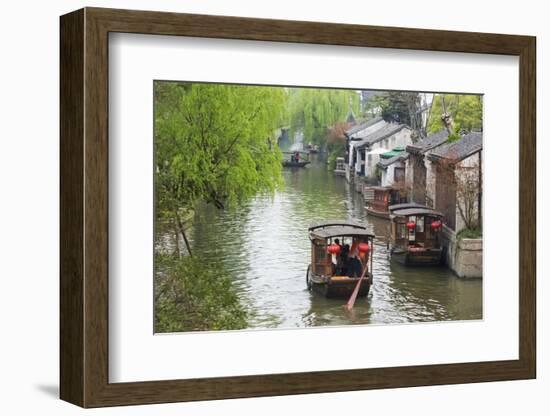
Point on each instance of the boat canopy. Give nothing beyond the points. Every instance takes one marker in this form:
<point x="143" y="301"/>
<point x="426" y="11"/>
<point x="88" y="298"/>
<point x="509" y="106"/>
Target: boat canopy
<point x="405" y="206"/>
<point x="416" y="211"/>
<point x="381" y="188"/>
<point x="330" y="223"/>
<point x="329" y="229"/>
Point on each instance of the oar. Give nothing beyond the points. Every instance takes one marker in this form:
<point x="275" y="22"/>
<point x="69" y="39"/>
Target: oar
<point x="351" y="301"/>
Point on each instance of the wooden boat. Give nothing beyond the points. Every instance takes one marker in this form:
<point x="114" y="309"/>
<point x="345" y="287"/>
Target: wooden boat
<point x="340" y="169"/>
<point x="379" y="199"/>
<point x="294" y="164"/>
<point x="336" y="266"/>
<point x="415" y="236"/>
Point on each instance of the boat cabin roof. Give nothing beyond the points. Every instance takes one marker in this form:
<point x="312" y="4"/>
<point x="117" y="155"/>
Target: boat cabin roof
<point x="406" y="205"/>
<point x="338" y="228"/>
<point x="416" y="211"/>
<point x="381" y="188"/>
<point x="340" y="231"/>
<point x="329" y="223"/>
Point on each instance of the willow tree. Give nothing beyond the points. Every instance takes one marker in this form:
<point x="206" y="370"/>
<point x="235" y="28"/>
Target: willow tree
<point x="214" y="143"/>
<point x="315" y="110"/>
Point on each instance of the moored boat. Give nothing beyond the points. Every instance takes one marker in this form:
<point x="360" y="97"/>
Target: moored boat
<point x="340" y="168"/>
<point x="415" y="236"/>
<point x="341" y="258"/>
<point x="378" y="199"/>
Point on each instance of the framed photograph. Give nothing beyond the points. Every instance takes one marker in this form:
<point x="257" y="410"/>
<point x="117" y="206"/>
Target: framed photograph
<point x="256" y="207"/>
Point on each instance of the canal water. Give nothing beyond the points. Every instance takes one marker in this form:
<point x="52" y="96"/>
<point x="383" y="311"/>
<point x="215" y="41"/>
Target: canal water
<point x="264" y="245"/>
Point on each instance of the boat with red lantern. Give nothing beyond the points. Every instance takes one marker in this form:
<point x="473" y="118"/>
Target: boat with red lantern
<point x="341" y="258"/>
<point x="416" y="235"/>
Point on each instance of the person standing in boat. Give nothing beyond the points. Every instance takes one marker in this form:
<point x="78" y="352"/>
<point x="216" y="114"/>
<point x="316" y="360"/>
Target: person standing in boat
<point x="344" y="260"/>
<point x="355" y="265"/>
<point x="336" y="257"/>
<point x="297" y="157"/>
<point x="339" y="259"/>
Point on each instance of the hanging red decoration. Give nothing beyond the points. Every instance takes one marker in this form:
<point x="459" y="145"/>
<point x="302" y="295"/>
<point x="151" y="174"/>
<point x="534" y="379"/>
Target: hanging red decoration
<point x="411" y="225"/>
<point x="334" y="249"/>
<point x="436" y="225"/>
<point x="364" y="247"/>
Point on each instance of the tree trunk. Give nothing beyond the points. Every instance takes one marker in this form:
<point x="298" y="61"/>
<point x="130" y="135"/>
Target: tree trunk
<point x="446" y="117"/>
<point x="177" y="241"/>
<point x="181" y="229"/>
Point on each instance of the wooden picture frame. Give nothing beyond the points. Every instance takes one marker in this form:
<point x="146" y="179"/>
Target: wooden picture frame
<point x="84" y="207"/>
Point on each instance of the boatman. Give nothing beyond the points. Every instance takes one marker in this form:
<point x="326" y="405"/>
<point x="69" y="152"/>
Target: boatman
<point x="354" y="261"/>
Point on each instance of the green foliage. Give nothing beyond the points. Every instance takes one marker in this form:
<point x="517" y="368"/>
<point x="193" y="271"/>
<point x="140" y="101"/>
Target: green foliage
<point x="400" y="107"/>
<point x="335" y="150"/>
<point x="373" y="106"/>
<point x="215" y="143"/>
<point x="453" y="137"/>
<point x="314" y="110"/>
<point x="466" y="111"/>
<point x="195" y="295"/>
<point x="469" y="233"/>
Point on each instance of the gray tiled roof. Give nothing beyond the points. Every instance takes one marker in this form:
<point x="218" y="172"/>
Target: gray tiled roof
<point x="384" y="163"/>
<point x="430" y="142"/>
<point x="459" y="150"/>
<point x="362" y="126"/>
<point x="380" y="134"/>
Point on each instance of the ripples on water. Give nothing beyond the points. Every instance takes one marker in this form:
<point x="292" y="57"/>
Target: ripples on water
<point x="264" y="245"/>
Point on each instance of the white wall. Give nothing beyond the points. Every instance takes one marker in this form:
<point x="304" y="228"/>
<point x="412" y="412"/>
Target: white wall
<point x="364" y="132"/>
<point x="29" y="209"/>
<point x="388" y="175"/>
<point x="400" y="139"/>
<point x="430" y="179"/>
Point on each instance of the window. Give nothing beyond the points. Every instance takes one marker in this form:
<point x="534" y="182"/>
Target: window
<point x="401" y="231"/>
<point x="412" y="232"/>
<point x="428" y="228"/>
<point x="420" y="224"/>
<point x="399" y="174"/>
<point x="320" y="251"/>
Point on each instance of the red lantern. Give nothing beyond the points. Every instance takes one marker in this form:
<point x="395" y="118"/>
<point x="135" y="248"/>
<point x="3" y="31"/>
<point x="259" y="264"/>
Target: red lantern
<point x="334" y="249"/>
<point x="364" y="247"/>
<point x="436" y="225"/>
<point x="411" y="225"/>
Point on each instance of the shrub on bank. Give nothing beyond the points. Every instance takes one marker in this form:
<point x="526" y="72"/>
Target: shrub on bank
<point x="469" y="233"/>
<point x="194" y="294"/>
